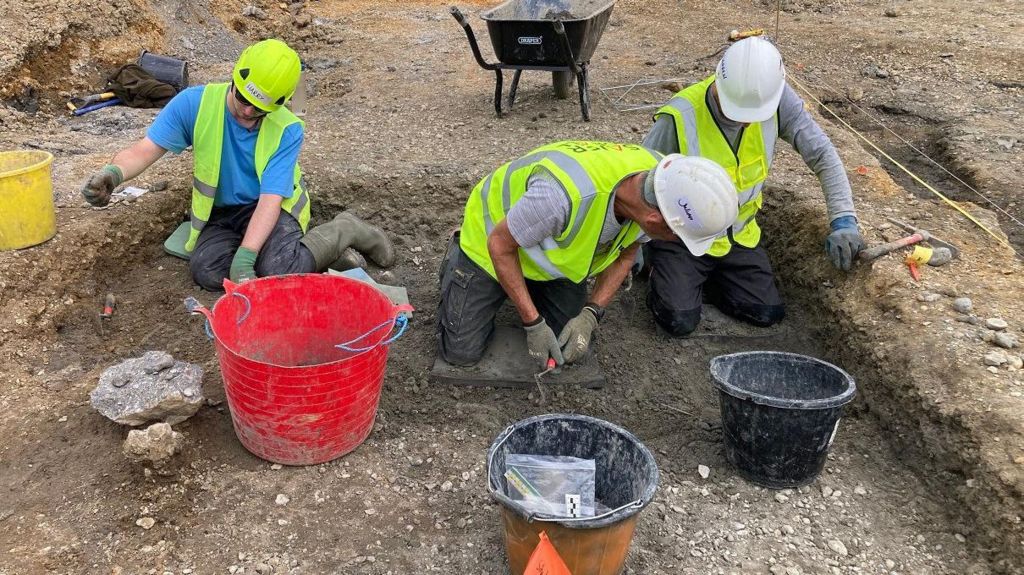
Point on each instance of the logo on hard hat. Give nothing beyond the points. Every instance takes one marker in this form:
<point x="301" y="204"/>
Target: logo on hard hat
<point x="686" y="208"/>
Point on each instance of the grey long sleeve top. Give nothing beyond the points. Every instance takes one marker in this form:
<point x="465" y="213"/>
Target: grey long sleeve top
<point x="797" y="127"/>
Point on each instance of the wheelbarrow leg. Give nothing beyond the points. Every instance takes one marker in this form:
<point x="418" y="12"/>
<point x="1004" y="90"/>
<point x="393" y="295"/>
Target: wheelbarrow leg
<point x="497" y="91"/>
<point x="581" y="79"/>
<point x="513" y="88"/>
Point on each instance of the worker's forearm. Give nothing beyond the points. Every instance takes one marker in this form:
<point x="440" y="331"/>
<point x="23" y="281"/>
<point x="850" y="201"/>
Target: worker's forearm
<point x="609" y="281"/>
<point x="263" y="220"/>
<point x="510" y="276"/>
<point x="134" y="159"/>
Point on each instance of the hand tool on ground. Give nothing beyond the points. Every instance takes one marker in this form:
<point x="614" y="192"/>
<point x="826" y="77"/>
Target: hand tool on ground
<point x="95" y="106"/>
<point x="938" y="257"/>
<point x="737" y="35"/>
<point x="109" y="303"/>
<point x="551" y="365"/>
<point x="79" y="103"/>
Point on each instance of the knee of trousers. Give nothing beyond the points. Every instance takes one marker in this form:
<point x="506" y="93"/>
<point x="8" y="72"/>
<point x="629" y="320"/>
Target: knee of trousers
<point x="761" y="315"/>
<point x="677" y="323"/>
<point x="208" y="279"/>
<point x="459" y="355"/>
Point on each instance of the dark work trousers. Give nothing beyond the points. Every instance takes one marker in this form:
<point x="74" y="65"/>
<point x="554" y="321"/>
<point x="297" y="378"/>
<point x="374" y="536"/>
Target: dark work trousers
<point x="281" y="253"/>
<point x="470" y="299"/>
<point x="741" y="284"/>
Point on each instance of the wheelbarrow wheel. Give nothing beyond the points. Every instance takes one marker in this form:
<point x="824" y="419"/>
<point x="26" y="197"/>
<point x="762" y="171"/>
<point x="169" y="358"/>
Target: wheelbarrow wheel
<point x="562" y="81"/>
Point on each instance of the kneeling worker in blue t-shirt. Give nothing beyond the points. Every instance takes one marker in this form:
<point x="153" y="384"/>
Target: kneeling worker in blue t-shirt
<point x="250" y="207"/>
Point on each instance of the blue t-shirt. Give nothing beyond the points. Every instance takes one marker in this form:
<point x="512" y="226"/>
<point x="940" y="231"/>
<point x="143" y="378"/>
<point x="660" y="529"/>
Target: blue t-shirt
<point x="238" y="184"/>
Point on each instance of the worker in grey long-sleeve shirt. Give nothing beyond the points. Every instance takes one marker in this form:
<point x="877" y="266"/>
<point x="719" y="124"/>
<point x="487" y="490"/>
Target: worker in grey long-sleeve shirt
<point x="734" y="117"/>
<point x="538" y="227"/>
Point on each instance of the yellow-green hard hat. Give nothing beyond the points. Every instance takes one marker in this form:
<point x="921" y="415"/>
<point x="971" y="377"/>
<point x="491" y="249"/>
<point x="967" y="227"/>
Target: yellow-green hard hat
<point x="266" y="74"/>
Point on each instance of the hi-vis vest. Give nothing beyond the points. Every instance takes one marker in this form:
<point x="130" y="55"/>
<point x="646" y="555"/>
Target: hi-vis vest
<point x="589" y="172"/>
<point x="207" y="142"/>
<point x="699" y="135"/>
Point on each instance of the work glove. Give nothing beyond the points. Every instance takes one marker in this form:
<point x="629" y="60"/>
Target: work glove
<point x="844" y="243"/>
<point x="575" y="337"/>
<point x="542" y="343"/>
<point x="243" y="265"/>
<point x="99" y="186"/>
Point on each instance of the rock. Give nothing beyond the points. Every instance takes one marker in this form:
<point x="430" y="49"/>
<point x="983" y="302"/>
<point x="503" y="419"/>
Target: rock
<point x="254" y="12"/>
<point x="1015" y="362"/>
<point x="838" y="547"/>
<point x="928" y="297"/>
<point x="446" y="486"/>
<point x="963" y="304"/>
<point x="158" y="186"/>
<point x="859" y="490"/>
<point x="891" y="13"/>
<point x="881" y="73"/>
<point x="1006" y="143"/>
<point x="263" y="569"/>
<point x="996" y="324"/>
<point x="781" y="498"/>
<point x="282" y="499"/>
<point x="855" y="94"/>
<point x="971" y="319"/>
<point x="131" y="393"/>
<point x="995" y="358"/>
<point x="145" y="522"/>
<point x="156" y="445"/>
<point x="704" y="471"/>
<point x="890" y="564"/>
<point x="826" y="491"/>
<point x="1005" y="340"/>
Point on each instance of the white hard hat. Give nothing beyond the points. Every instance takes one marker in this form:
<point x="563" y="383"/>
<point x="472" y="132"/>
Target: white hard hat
<point x="695" y="196"/>
<point x="750" y="79"/>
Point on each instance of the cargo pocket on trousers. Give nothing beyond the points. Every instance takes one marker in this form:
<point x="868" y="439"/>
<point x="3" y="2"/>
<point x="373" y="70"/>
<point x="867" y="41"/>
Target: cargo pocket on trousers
<point x="455" y="298"/>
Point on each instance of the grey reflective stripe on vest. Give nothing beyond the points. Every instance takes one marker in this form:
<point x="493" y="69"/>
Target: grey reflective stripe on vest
<point x="685" y="109"/>
<point x="769" y="134"/>
<point x="204" y="189"/>
<point x="207" y="191"/>
<point x="485" y="191"/>
<point x="300" y="204"/>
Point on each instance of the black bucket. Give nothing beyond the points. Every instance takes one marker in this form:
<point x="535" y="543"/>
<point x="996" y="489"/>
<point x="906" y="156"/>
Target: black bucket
<point x="780" y="414"/>
<point x="166" y="69"/>
<point x="626" y="479"/>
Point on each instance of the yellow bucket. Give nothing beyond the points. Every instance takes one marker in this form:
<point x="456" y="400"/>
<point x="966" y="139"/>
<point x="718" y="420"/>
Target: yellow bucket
<point x="27" y="216"/>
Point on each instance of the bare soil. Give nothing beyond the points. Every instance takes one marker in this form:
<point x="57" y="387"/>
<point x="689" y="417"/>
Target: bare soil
<point x="925" y="476"/>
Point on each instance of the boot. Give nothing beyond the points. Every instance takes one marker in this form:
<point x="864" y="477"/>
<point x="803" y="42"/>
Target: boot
<point x="328" y="242"/>
<point x="350" y="259"/>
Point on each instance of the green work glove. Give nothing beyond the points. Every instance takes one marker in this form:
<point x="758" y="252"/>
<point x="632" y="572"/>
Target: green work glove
<point x="575" y="337"/>
<point x="844" y="243"/>
<point x="542" y="344"/>
<point x="99" y="186"/>
<point x="243" y="266"/>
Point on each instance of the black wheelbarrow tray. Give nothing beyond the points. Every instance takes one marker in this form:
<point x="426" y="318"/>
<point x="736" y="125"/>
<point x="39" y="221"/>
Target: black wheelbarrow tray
<point x="558" y="36"/>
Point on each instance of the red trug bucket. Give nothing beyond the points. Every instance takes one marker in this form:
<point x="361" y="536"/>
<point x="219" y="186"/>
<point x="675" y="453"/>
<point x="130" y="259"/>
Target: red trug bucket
<point x="296" y="398"/>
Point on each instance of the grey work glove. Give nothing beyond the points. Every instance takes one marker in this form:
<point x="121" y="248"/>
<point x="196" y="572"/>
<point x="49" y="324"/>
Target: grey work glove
<point x="542" y="343"/>
<point x="575" y="337"/>
<point x="99" y="186"/>
<point x="844" y="243"/>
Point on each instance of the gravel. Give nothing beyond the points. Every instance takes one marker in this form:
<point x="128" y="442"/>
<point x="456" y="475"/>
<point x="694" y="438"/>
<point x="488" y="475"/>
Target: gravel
<point x="996" y="324"/>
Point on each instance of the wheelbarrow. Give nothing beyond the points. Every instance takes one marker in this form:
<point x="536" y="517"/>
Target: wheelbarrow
<point x="557" y="36"/>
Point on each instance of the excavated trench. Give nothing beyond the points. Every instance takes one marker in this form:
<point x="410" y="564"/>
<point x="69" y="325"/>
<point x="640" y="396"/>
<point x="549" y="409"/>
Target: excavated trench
<point x="890" y="506"/>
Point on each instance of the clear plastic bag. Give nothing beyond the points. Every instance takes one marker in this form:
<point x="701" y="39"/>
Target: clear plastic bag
<point x="553" y="485"/>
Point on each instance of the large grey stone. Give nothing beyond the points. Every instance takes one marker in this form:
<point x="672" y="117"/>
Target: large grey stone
<point x="153" y="387"/>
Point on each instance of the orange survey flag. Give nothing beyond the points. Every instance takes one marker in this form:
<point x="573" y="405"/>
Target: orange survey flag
<point x="545" y="559"/>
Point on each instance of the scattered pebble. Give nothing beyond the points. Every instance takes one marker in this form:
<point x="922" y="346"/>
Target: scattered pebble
<point x="891" y="13"/>
<point x="282" y="499"/>
<point x="145" y="522"/>
<point x="963" y="304"/>
<point x="276" y="466"/>
<point x="1005" y="340"/>
<point x="1015" y="362"/>
<point x="928" y="297"/>
<point x="781" y="498"/>
<point x="859" y="490"/>
<point x="826" y="491"/>
<point x="995" y="358"/>
<point x="370" y="511"/>
<point x="996" y="324"/>
<point x="838" y="547"/>
<point x="704" y="471"/>
<point x="446" y="486"/>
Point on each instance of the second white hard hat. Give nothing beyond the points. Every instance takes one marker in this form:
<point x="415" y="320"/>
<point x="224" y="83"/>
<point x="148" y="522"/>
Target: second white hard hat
<point x="695" y="196"/>
<point x="750" y="78"/>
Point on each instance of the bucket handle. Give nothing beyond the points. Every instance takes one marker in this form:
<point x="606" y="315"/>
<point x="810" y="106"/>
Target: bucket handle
<point x="534" y="516"/>
<point x="400" y="320"/>
<point x="193" y="307"/>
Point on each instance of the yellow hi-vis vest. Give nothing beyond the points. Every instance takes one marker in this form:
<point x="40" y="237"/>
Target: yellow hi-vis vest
<point x="699" y="135"/>
<point x="589" y="172"/>
<point x="207" y="142"/>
